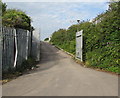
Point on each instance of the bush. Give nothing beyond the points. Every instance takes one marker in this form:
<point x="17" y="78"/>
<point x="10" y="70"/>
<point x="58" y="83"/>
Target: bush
<point x="46" y="39"/>
<point x="101" y="40"/>
<point x="27" y="64"/>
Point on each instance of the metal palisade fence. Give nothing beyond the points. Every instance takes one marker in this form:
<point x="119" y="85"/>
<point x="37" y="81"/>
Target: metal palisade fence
<point x="15" y="47"/>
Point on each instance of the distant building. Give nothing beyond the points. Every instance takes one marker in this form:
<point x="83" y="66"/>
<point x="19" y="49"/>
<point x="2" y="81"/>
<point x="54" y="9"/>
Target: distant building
<point x="98" y="19"/>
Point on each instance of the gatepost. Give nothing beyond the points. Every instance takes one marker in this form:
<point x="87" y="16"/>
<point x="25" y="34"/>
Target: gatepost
<point x="79" y="45"/>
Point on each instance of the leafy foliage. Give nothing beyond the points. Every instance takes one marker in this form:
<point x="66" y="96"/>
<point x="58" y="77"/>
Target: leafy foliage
<point x="15" y="18"/>
<point x="65" y="39"/>
<point x="27" y="64"/>
<point x="101" y="39"/>
<point x="46" y="39"/>
<point x="2" y="7"/>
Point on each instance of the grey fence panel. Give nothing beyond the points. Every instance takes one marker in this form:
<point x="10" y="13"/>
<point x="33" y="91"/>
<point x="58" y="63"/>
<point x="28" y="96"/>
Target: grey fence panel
<point x="16" y="46"/>
<point x="8" y="48"/>
<point x="1" y="47"/>
<point x="21" y="46"/>
<point x="29" y="43"/>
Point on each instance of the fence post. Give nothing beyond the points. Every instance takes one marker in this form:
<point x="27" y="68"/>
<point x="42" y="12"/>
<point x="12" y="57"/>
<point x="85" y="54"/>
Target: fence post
<point x="1" y="48"/>
<point x="27" y="45"/>
<point x="16" y="51"/>
<point x="31" y="36"/>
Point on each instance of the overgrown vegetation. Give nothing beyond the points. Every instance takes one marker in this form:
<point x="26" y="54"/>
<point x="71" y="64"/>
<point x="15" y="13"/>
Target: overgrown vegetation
<point x="101" y="39"/>
<point x="28" y="64"/>
<point x="15" y="18"/>
<point x="46" y="39"/>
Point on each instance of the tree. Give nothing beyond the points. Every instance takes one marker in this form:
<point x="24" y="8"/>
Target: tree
<point x="46" y="39"/>
<point x="2" y="7"/>
<point x="16" y="18"/>
<point x="101" y="39"/>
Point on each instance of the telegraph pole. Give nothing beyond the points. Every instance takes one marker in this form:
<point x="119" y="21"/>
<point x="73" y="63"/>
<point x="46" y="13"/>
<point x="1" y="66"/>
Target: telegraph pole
<point x="78" y="24"/>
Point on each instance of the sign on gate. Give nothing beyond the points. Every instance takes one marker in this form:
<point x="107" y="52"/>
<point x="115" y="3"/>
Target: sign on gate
<point x="79" y="44"/>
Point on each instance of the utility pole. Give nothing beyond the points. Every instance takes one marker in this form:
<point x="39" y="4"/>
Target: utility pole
<point x="78" y="24"/>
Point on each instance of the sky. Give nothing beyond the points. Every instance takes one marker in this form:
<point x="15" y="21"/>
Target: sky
<point x="51" y="16"/>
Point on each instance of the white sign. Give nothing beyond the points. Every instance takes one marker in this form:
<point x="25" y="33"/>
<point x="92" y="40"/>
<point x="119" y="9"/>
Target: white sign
<point x="79" y="44"/>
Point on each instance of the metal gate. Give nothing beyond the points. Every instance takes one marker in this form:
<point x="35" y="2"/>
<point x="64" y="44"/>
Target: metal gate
<point x="79" y="44"/>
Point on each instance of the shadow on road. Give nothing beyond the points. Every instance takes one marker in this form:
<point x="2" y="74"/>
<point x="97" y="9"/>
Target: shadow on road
<point x="49" y="56"/>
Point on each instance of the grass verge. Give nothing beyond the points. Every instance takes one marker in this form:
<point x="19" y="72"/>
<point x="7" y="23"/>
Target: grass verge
<point x="108" y="70"/>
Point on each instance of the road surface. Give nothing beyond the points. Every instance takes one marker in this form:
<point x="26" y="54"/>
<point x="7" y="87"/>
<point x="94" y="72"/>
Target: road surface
<point x="59" y="75"/>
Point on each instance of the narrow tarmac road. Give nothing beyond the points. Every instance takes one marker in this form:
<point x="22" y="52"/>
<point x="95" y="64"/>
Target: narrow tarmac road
<point x="59" y="75"/>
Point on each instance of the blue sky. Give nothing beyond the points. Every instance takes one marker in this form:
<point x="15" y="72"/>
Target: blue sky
<point x="51" y="16"/>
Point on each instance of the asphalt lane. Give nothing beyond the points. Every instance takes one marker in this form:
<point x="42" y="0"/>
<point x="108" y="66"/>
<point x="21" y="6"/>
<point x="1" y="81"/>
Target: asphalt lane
<point x="59" y="75"/>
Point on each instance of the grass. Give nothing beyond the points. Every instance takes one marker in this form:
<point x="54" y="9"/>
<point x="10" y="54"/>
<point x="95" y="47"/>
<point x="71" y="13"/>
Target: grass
<point x="13" y="74"/>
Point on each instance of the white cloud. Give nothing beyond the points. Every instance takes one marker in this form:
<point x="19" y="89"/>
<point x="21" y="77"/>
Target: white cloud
<point x="52" y="16"/>
<point x="56" y="1"/>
